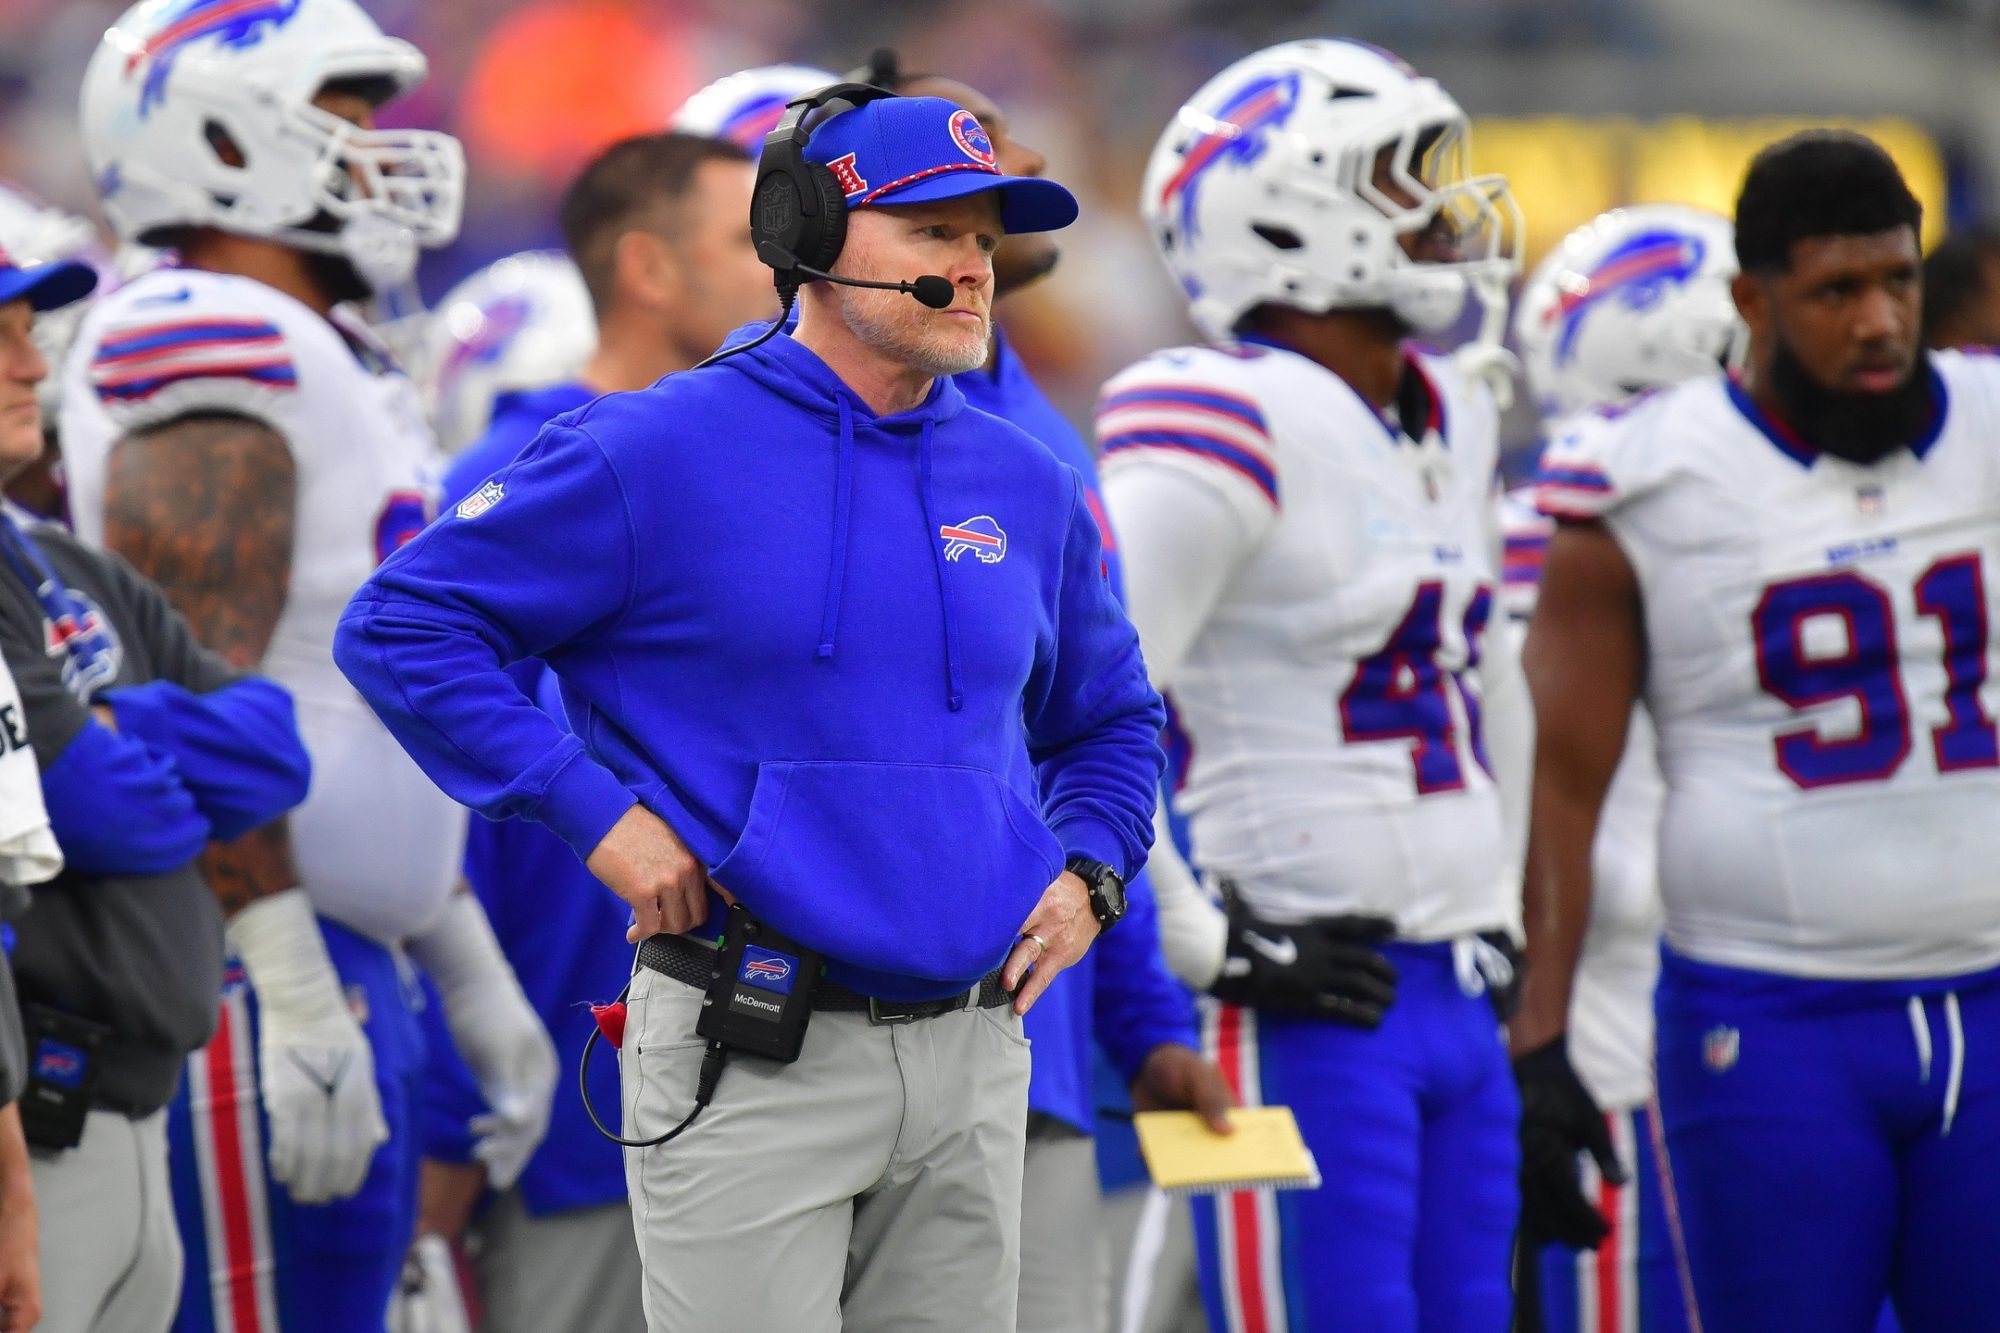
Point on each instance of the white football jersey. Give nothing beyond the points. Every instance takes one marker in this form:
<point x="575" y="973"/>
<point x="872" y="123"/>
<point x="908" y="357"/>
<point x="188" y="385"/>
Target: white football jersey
<point x="1819" y="672"/>
<point x="1330" y="697"/>
<point x="1611" y="1006"/>
<point x="378" y="845"/>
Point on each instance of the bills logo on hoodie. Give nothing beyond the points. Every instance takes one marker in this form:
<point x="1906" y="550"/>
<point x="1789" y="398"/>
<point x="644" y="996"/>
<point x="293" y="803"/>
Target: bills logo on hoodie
<point x="980" y="535"/>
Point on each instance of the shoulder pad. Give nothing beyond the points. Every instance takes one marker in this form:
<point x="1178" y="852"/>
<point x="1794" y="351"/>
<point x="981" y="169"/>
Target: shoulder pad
<point x="179" y="341"/>
<point x="1193" y="404"/>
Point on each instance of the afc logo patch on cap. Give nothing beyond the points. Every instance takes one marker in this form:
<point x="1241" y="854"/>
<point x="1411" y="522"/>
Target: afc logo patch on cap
<point x="970" y="136"/>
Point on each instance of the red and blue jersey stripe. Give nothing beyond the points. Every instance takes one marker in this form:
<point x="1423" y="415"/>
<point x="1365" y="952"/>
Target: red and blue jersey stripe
<point x="136" y="363"/>
<point x="1192" y="419"/>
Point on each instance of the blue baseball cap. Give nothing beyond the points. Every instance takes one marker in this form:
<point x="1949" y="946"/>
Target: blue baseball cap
<point x="914" y="150"/>
<point x="45" y="286"/>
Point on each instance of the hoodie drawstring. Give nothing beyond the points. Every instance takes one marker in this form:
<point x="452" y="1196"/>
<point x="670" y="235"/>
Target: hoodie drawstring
<point x="843" y="502"/>
<point x="954" y="696"/>
<point x="1954" y="1078"/>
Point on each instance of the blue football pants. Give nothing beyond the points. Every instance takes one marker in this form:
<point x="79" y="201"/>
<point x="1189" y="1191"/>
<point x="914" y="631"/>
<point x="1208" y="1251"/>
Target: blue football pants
<point x="1833" y="1142"/>
<point x="1414" y="1127"/>
<point x="256" y="1261"/>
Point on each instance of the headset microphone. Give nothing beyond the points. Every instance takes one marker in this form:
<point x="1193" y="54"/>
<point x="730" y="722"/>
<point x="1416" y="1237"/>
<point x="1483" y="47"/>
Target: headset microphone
<point x="930" y="289"/>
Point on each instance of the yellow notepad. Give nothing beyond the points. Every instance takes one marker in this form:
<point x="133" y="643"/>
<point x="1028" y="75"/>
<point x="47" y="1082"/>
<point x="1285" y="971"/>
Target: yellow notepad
<point x="1266" y="1152"/>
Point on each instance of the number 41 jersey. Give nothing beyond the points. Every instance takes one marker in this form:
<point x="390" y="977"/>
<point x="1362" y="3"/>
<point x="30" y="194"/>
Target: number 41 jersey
<point x="1330" y="699"/>
<point x="1820" y="654"/>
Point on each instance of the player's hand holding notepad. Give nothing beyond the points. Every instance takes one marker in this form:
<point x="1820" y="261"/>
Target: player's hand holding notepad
<point x="1266" y="1152"/>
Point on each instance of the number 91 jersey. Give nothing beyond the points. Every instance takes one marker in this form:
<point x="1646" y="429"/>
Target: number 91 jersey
<point x="1330" y="699"/>
<point x="1819" y="671"/>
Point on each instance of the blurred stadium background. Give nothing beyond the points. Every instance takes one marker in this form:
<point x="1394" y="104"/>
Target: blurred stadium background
<point x="1584" y="103"/>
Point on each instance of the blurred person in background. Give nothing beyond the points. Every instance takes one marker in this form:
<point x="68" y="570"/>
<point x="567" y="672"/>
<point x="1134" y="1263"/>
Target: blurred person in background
<point x="522" y="323"/>
<point x="1121" y="992"/>
<point x="149" y="747"/>
<point x="1791" y="565"/>
<point x="659" y="228"/>
<point x="1962" y="290"/>
<point x="1311" y="551"/>
<point x="29" y="854"/>
<point x="1633" y="301"/>
<point x="242" y="438"/>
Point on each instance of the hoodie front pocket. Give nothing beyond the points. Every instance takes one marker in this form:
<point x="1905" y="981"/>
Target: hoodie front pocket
<point x="921" y="870"/>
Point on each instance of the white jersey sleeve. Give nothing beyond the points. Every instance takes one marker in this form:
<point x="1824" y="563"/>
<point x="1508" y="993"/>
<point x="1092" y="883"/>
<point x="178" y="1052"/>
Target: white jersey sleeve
<point x="1184" y="410"/>
<point x="174" y="343"/>
<point x="378" y="845"/>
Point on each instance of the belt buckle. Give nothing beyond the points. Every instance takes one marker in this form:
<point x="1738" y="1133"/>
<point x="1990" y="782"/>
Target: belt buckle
<point x="876" y="1018"/>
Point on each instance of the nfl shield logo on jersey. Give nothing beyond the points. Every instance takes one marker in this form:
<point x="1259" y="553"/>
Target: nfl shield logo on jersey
<point x="481" y="500"/>
<point x="1719" y="1048"/>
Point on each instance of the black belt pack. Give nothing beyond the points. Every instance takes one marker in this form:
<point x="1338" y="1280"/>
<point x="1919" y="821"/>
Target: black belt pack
<point x="62" y="1075"/>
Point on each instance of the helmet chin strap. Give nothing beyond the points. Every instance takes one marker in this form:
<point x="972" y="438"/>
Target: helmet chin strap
<point x="1484" y="357"/>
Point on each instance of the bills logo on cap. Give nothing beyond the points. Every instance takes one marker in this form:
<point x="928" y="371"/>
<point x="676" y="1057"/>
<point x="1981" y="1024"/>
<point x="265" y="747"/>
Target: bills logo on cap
<point x="981" y="536"/>
<point x="767" y="970"/>
<point x="970" y="136"/>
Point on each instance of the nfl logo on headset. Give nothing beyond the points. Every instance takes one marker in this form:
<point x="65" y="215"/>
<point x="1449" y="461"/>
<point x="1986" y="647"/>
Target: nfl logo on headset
<point x="1720" y="1047"/>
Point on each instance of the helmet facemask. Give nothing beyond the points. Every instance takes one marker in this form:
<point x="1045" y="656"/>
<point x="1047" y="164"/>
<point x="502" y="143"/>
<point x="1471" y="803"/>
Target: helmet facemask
<point x="1421" y="183"/>
<point x="389" y="193"/>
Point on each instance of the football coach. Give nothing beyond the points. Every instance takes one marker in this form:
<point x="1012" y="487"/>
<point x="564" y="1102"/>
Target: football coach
<point x="846" y="681"/>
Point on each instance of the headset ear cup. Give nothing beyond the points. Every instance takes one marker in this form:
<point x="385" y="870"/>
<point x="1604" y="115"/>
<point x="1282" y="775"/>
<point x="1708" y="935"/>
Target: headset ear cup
<point x="824" y="235"/>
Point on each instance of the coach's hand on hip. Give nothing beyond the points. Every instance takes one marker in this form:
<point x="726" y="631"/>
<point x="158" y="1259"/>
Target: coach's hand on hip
<point x="643" y="861"/>
<point x="1056" y="934"/>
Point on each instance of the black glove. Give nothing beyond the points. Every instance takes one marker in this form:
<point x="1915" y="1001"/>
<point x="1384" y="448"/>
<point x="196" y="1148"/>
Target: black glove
<point x="1329" y="967"/>
<point x="1504" y="973"/>
<point x="1558" y="1121"/>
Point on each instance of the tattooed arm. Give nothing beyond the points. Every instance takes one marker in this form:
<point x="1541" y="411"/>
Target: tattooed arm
<point x="204" y="506"/>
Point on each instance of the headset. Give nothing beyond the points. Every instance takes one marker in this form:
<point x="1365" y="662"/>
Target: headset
<point x="798" y="212"/>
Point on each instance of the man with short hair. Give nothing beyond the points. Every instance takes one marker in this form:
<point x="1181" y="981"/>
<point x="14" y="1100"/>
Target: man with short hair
<point x="659" y="227"/>
<point x="1962" y="289"/>
<point x="149" y="747"/>
<point x="845" y="650"/>
<point x="1795" y="566"/>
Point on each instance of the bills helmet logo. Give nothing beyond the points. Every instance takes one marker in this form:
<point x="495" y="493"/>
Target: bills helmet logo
<point x="238" y="23"/>
<point x="981" y="536"/>
<point x="499" y="324"/>
<point x="1638" y="274"/>
<point x="767" y="969"/>
<point x="971" y="138"/>
<point x="1239" y="133"/>
<point x="747" y="125"/>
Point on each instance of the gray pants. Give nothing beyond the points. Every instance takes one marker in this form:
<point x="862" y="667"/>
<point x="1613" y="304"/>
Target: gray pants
<point x="109" y="1249"/>
<point x="876" y="1182"/>
<point x="1065" y="1268"/>
<point x="577" y="1271"/>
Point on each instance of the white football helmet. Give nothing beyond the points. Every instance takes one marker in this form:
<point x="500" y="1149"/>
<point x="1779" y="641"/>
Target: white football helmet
<point x="522" y="322"/>
<point x="1263" y="189"/>
<point x="32" y="233"/>
<point x="1636" y="299"/>
<point x="745" y="106"/>
<point x="177" y="83"/>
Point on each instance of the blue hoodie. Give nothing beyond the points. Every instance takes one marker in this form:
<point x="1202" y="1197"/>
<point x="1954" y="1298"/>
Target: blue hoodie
<point x="834" y="651"/>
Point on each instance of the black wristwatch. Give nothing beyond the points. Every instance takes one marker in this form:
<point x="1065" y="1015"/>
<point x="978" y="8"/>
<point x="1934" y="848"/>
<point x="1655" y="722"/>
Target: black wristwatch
<point x="1107" y="889"/>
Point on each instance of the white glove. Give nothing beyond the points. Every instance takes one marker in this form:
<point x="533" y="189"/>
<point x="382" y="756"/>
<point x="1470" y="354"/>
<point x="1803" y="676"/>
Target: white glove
<point x="316" y="1071"/>
<point x="495" y="1029"/>
<point x="427" y="1299"/>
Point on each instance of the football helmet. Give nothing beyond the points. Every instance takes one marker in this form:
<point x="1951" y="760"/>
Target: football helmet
<point x="1268" y="186"/>
<point x="745" y="106"/>
<point x="522" y="322"/>
<point x="199" y="113"/>
<point x="1636" y="299"/>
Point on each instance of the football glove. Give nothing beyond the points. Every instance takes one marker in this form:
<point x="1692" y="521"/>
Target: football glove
<point x="1330" y="967"/>
<point x="315" y="1070"/>
<point x="496" y="1030"/>
<point x="1558" y="1121"/>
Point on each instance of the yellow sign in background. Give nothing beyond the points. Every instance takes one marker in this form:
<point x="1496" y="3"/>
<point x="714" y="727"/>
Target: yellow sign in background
<point x="1565" y="171"/>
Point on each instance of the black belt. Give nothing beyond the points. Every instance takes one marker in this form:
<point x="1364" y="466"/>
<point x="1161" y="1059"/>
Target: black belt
<point x="685" y="960"/>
